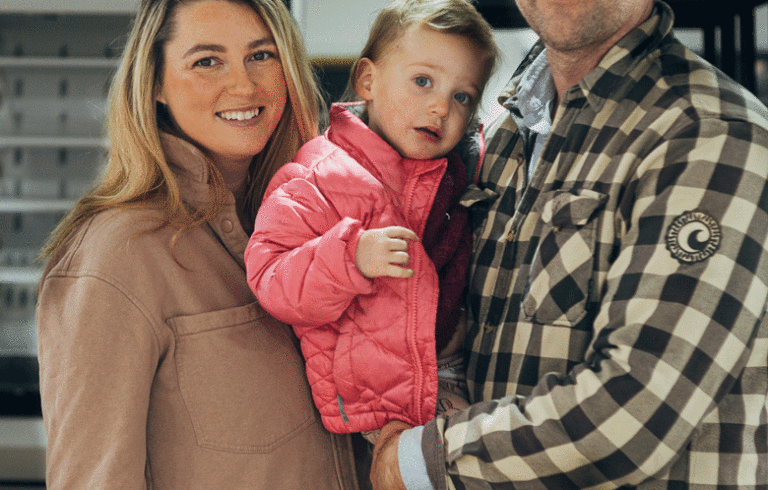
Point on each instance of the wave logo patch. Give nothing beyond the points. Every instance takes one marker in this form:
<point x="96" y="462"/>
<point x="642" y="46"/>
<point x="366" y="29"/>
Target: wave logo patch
<point x="693" y="236"/>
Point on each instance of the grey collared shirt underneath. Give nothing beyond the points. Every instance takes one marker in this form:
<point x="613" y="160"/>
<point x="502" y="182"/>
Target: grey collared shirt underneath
<point x="531" y="108"/>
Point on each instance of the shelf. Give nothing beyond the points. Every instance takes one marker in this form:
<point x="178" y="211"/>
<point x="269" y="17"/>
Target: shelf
<point x="71" y="6"/>
<point x="20" y="275"/>
<point x="56" y="62"/>
<point x="20" y="205"/>
<point x="53" y="141"/>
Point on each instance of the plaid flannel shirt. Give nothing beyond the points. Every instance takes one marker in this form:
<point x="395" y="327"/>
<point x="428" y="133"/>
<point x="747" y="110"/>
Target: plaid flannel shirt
<point x="618" y="333"/>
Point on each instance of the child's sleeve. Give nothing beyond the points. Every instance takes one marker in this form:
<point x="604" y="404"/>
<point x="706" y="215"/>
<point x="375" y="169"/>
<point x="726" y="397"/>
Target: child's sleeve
<point x="300" y="259"/>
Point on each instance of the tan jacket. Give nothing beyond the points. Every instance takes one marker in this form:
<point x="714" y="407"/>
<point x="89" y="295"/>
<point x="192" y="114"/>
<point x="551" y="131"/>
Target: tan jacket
<point x="166" y="374"/>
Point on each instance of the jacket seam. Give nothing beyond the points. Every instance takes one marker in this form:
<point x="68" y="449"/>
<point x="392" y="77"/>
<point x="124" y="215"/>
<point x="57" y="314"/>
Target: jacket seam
<point x="114" y="283"/>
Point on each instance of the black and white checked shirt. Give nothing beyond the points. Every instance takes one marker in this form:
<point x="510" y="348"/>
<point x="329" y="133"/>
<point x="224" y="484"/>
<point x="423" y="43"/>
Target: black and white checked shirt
<point x="618" y="300"/>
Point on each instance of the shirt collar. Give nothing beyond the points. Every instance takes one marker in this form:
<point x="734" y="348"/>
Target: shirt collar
<point x="192" y="170"/>
<point x="613" y="76"/>
<point x="621" y="59"/>
<point x="531" y="104"/>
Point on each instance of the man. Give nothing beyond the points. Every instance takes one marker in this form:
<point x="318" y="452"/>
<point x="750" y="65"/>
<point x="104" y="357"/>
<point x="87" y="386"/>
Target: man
<point x="618" y="332"/>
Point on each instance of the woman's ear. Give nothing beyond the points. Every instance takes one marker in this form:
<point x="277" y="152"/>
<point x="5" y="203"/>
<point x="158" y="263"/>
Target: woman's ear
<point x="160" y="96"/>
<point x="366" y="76"/>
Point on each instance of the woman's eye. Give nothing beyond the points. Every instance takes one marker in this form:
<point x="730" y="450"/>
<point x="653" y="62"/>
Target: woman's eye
<point x="462" y="98"/>
<point x="205" y="62"/>
<point x="423" y="82"/>
<point x="263" y="56"/>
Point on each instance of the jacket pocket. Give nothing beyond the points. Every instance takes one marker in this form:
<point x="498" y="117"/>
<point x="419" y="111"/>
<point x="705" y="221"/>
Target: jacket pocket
<point x="242" y="379"/>
<point x="562" y="267"/>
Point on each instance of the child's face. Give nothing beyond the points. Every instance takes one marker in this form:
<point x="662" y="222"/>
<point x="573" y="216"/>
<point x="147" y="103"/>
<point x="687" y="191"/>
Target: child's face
<point x="423" y="90"/>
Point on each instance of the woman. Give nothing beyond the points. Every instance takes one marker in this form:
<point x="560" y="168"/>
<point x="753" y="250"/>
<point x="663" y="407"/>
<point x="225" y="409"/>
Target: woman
<point x="158" y="368"/>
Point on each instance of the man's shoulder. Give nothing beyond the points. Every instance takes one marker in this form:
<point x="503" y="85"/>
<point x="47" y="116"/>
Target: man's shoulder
<point x="703" y="90"/>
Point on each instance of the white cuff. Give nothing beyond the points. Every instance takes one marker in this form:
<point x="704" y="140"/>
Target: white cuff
<point x="413" y="468"/>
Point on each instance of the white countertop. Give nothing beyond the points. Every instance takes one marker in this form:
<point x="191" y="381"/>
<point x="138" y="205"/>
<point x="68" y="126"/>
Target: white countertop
<point x="22" y="449"/>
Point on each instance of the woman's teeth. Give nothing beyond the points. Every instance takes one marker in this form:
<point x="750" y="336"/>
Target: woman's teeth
<point x="238" y="115"/>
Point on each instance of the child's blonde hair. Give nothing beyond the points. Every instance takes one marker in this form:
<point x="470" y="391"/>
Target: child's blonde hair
<point x="458" y="17"/>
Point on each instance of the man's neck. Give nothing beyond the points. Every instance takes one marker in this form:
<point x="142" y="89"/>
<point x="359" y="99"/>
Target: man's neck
<point x="570" y="67"/>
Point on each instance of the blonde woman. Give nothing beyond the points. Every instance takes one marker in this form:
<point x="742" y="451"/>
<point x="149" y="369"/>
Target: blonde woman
<point x="158" y="368"/>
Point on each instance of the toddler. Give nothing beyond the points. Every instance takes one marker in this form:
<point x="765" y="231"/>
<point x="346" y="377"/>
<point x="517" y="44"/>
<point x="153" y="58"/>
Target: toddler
<point x="361" y="243"/>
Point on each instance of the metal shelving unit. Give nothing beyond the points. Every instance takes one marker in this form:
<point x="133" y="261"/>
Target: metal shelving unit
<point x="56" y="62"/>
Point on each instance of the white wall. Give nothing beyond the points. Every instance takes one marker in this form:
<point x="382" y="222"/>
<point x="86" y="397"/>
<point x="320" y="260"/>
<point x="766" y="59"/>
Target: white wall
<point x="514" y="44"/>
<point x="337" y="28"/>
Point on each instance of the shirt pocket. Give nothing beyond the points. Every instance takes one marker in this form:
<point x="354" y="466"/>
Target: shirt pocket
<point x="562" y="267"/>
<point x="242" y="379"/>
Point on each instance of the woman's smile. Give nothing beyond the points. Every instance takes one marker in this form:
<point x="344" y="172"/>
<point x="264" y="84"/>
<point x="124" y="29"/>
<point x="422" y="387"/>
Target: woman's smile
<point x="223" y="82"/>
<point x="240" y="115"/>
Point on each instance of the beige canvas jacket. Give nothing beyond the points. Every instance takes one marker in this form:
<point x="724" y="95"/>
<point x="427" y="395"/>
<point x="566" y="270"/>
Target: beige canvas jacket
<point x="166" y="374"/>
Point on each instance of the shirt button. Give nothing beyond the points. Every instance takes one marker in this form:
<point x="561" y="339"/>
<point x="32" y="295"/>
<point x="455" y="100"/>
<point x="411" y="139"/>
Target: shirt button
<point x="227" y="226"/>
<point x="511" y="236"/>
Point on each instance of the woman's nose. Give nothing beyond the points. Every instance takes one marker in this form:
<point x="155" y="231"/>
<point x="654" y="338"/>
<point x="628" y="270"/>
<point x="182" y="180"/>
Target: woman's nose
<point x="240" y="80"/>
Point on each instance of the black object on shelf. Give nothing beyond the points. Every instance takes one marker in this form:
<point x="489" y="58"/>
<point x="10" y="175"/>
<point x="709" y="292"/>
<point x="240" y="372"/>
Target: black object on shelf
<point x="711" y="15"/>
<point x="19" y="386"/>
<point x="501" y="14"/>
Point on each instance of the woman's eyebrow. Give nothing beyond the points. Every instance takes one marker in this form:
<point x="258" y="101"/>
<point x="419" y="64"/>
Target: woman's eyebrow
<point x="220" y="49"/>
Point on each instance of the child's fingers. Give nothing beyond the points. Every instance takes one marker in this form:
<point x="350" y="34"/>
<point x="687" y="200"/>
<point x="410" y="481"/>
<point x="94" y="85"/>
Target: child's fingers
<point x="400" y="232"/>
<point x="399" y="272"/>
<point x="400" y="258"/>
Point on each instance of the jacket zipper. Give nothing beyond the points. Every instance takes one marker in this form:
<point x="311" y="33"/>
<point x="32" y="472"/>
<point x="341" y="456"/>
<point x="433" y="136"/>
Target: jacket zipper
<point x="413" y="293"/>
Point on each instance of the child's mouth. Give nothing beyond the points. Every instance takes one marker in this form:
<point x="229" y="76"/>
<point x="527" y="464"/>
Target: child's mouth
<point x="431" y="133"/>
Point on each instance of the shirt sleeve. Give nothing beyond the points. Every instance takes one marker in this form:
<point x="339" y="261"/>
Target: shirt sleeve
<point x="97" y="359"/>
<point x="675" y="331"/>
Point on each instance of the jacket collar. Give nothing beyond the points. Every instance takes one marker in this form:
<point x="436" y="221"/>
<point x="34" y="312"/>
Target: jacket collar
<point x="192" y="170"/>
<point x="350" y="133"/>
<point x="602" y="83"/>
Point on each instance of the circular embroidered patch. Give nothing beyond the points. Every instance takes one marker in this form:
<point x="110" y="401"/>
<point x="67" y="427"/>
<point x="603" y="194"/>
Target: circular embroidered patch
<point x="693" y="236"/>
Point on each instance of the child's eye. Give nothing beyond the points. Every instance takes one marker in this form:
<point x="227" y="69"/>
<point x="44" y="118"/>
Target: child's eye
<point x="423" y="82"/>
<point x="462" y="98"/>
<point x="205" y="62"/>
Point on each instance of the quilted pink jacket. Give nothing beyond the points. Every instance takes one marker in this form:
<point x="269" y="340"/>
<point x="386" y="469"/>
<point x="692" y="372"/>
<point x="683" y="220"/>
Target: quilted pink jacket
<point x="369" y="345"/>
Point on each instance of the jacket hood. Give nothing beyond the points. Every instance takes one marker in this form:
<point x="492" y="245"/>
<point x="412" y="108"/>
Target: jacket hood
<point x="471" y="147"/>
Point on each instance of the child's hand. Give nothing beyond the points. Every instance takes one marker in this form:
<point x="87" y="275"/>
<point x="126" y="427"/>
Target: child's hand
<point x="383" y="252"/>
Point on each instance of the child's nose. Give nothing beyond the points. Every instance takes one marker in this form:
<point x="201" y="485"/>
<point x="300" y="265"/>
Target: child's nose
<point x="440" y="105"/>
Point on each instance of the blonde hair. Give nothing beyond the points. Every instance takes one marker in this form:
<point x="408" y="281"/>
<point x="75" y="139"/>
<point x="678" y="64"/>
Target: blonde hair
<point x="458" y="17"/>
<point x="137" y="170"/>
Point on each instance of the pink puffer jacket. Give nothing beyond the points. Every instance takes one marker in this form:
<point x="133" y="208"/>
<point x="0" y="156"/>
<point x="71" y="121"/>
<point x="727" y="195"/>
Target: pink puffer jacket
<point x="369" y="344"/>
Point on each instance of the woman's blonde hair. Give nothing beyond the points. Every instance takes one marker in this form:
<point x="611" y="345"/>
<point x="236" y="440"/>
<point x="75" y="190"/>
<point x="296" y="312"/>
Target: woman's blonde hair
<point x="137" y="170"/>
<point x="458" y="17"/>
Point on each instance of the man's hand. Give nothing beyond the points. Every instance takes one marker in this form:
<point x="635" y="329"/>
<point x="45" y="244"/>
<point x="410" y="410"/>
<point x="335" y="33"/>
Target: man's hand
<point x="385" y="469"/>
<point x="383" y="252"/>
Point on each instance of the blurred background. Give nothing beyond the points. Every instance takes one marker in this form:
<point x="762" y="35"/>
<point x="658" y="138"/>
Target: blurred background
<point x="56" y="59"/>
